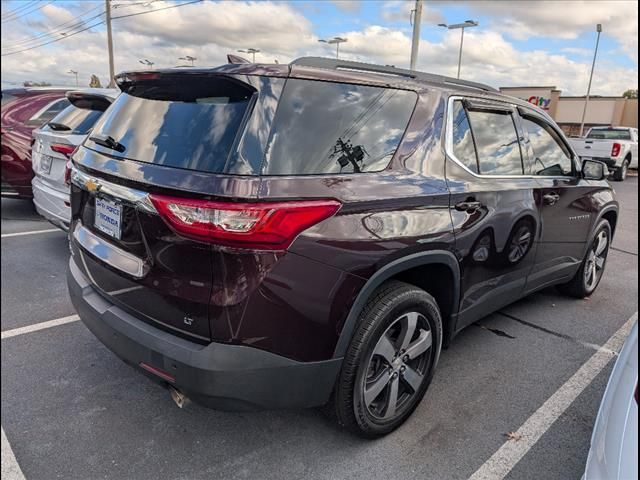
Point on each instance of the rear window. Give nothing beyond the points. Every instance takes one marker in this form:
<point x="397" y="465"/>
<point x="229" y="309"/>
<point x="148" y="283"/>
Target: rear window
<point x="177" y="121"/>
<point x="74" y="120"/>
<point x="324" y="127"/>
<point x="612" y="134"/>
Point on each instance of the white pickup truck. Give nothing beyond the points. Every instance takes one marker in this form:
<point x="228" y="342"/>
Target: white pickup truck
<point x="615" y="146"/>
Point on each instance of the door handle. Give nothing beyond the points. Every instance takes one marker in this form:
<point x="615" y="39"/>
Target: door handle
<point x="468" y="206"/>
<point x="551" y="198"/>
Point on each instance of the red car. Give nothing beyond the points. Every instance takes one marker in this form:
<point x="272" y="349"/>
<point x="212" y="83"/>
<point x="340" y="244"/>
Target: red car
<point x="23" y="110"/>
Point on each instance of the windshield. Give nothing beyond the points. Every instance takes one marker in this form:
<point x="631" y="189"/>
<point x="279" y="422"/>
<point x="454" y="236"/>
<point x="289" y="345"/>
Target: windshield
<point x="74" y="120"/>
<point x="183" y="122"/>
<point x="610" y="134"/>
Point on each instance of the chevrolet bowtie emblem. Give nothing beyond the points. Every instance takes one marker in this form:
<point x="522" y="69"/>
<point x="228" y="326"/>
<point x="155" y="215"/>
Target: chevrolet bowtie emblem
<point x="92" y="185"/>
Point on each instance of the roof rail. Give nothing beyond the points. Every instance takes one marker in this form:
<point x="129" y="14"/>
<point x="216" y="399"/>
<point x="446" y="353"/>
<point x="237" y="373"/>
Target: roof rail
<point x="333" y="64"/>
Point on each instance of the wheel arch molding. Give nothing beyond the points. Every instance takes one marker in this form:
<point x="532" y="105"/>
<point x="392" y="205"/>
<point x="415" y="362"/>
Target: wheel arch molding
<point x="392" y="269"/>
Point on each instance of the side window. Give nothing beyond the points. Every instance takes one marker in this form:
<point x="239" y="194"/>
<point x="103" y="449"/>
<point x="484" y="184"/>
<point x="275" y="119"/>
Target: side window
<point x="325" y="127"/>
<point x="550" y="155"/>
<point x="496" y="143"/>
<point x="47" y="113"/>
<point x="463" y="146"/>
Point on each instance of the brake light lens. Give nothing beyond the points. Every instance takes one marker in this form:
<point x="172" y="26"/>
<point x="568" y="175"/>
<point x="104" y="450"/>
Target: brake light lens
<point x="615" y="150"/>
<point x="63" y="148"/>
<point x="258" y="226"/>
<point x="67" y="173"/>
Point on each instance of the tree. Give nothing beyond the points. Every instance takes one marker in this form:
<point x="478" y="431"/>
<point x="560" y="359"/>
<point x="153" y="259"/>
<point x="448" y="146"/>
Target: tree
<point x="631" y="93"/>
<point x="95" y="82"/>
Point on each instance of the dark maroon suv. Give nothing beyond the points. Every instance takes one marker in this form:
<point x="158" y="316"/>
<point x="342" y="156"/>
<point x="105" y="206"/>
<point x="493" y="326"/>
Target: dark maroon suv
<point x="268" y="236"/>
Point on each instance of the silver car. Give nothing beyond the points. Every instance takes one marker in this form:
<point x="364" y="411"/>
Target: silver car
<point x="614" y="444"/>
<point x="53" y="144"/>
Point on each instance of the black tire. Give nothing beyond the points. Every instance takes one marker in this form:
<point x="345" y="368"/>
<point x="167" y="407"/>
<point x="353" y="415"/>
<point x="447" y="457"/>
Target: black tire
<point x="384" y="312"/>
<point x="621" y="173"/>
<point x="579" y="286"/>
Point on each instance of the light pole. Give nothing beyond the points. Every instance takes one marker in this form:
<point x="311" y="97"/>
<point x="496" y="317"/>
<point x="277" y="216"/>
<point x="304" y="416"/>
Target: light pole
<point x="146" y="62"/>
<point x="74" y="72"/>
<point x="593" y="65"/>
<point x="252" y="51"/>
<point x="337" y="41"/>
<point x="462" y="26"/>
<point x="188" y="58"/>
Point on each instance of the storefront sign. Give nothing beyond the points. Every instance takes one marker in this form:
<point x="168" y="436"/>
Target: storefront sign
<point x="540" y="102"/>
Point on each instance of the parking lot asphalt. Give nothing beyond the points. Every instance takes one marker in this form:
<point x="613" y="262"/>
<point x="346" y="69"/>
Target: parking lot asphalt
<point x="72" y="410"/>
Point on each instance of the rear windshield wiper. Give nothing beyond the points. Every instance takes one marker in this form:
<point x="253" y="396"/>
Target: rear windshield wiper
<point x="107" y="141"/>
<point x="59" y="127"/>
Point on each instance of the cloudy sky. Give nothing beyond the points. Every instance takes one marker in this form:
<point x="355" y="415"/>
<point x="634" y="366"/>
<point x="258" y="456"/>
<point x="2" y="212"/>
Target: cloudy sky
<point x="517" y="43"/>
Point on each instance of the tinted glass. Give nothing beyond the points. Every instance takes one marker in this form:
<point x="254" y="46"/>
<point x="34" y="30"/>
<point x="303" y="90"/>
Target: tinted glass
<point x="74" y="120"/>
<point x="550" y="158"/>
<point x="7" y="97"/>
<point x="324" y="127"/>
<point x="612" y="134"/>
<point x="496" y="142"/>
<point x="183" y="122"/>
<point x="463" y="147"/>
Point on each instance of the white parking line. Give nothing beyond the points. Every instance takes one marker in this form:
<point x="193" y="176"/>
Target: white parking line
<point x="10" y="468"/>
<point x="33" y="232"/>
<point x="511" y="452"/>
<point x="39" y="326"/>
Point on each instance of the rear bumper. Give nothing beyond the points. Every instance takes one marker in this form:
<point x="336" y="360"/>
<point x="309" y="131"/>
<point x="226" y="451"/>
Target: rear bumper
<point x="222" y="376"/>
<point x="51" y="204"/>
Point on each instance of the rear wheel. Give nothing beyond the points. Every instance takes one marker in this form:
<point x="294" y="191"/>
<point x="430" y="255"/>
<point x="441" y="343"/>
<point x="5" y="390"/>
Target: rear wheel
<point x="390" y="361"/>
<point x="588" y="277"/>
<point x="621" y="173"/>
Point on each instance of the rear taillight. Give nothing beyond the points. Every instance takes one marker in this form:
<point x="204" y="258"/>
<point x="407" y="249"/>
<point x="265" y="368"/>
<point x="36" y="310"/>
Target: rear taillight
<point x="260" y="226"/>
<point x="615" y="150"/>
<point x="63" y="148"/>
<point x="67" y="173"/>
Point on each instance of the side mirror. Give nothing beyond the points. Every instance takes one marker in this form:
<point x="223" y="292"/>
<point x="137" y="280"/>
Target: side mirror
<point x="594" y="170"/>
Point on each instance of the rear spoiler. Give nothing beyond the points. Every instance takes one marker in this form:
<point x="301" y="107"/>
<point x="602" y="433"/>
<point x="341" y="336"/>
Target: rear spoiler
<point x="92" y="99"/>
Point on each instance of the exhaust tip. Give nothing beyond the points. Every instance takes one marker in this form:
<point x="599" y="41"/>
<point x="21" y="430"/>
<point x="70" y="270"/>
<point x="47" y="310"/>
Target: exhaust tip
<point x="179" y="398"/>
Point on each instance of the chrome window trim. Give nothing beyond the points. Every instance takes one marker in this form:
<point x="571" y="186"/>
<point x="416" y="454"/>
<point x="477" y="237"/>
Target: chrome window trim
<point x="137" y="197"/>
<point x="448" y="148"/>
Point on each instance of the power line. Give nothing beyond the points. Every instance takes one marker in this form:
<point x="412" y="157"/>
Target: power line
<point x="21" y="7"/>
<point x="55" y="40"/>
<point x="56" y="30"/>
<point x="157" y="9"/>
<point x="26" y="13"/>
<point x="96" y="24"/>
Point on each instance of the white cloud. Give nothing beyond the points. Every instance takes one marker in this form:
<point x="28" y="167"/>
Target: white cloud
<point x="210" y="30"/>
<point x="565" y="19"/>
<point x="400" y="10"/>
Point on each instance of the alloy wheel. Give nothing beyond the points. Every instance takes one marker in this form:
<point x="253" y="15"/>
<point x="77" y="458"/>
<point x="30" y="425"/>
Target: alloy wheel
<point x="397" y="366"/>
<point x="520" y="244"/>
<point x="596" y="259"/>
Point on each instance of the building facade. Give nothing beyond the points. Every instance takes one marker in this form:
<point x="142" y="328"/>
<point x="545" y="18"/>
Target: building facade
<point x="567" y="111"/>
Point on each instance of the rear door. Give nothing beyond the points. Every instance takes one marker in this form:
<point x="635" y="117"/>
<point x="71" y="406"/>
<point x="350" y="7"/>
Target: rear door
<point x="176" y="136"/>
<point x="57" y="139"/>
<point x="493" y="206"/>
<point x="563" y="199"/>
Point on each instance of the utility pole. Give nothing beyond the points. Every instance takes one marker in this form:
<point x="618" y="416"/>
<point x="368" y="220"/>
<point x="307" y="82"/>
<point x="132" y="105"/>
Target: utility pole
<point x="107" y="6"/>
<point x="415" y="42"/>
<point x="593" y="65"/>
